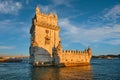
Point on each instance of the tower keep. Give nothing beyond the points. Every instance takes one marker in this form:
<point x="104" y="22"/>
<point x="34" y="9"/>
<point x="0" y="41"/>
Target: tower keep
<point x="46" y="49"/>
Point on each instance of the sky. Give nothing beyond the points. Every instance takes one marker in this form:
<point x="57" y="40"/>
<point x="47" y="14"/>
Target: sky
<point x="83" y="23"/>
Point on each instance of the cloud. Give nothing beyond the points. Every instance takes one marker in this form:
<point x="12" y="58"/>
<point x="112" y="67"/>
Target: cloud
<point x="16" y="28"/>
<point x="109" y="16"/>
<point x="25" y="30"/>
<point x="45" y="8"/>
<point x="54" y="6"/>
<point x="113" y="42"/>
<point x="12" y="25"/>
<point x="7" y="47"/>
<point x="27" y="1"/>
<point x="62" y="2"/>
<point x="9" y="7"/>
<point x="85" y="36"/>
<point x="112" y="14"/>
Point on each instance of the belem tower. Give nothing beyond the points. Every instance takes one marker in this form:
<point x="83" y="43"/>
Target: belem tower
<point x="46" y="49"/>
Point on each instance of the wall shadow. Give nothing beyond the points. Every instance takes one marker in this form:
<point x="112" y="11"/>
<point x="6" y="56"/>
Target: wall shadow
<point x="41" y="54"/>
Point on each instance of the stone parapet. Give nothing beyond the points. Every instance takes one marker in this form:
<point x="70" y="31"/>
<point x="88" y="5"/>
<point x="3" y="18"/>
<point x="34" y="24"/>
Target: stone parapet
<point x="75" y="52"/>
<point x="46" y="25"/>
<point x="48" y="19"/>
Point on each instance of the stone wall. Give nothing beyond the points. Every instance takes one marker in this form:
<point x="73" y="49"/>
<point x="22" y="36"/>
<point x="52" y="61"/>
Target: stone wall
<point x="71" y="57"/>
<point x="40" y="55"/>
<point x="75" y="57"/>
<point x="44" y="31"/>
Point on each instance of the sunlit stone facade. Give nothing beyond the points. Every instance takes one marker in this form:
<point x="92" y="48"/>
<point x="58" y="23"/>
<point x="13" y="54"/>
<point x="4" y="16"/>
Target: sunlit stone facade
<point x="46" y="49"/>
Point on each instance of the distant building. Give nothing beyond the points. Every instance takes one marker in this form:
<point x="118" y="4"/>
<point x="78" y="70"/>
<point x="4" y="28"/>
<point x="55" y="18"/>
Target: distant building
<point x="46" y="49"/>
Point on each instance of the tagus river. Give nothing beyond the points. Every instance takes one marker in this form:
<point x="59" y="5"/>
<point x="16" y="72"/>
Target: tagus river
<point x="100" y="69"/>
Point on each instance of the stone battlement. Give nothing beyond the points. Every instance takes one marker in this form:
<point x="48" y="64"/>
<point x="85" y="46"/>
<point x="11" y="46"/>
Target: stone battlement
<point x="74" y="51"/>
<point x="49" y="21"/>
<point x="45" y="19"/>
<point x="86" y="51"/>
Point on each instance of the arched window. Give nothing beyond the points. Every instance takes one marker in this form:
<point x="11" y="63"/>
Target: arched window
<point x="47" y="38"/>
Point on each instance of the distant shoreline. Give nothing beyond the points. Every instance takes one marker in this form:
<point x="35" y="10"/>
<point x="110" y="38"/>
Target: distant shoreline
<point x="11" y="59"/>
<point x="20" y="58"/>
<point x="107" y="56"/>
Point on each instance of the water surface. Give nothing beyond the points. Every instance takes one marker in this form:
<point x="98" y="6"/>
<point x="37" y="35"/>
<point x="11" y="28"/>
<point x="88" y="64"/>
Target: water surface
<point x="105" y="69"/>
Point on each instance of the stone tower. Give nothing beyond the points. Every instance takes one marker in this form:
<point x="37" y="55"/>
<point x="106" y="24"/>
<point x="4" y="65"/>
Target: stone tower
<point x="46" y="48"/>
<point x="44" y="36"/>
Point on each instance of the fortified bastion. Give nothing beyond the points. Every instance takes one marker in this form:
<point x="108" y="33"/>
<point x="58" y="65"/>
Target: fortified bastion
<point x="45" y="45"/>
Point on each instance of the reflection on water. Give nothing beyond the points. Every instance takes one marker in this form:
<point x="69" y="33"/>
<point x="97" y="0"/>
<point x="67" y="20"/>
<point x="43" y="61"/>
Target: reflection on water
<point x="64" y="73"/>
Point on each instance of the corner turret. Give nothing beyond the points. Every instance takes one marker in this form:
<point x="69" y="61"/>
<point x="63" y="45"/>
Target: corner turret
<point x="59" y="47"/>
<point x="89" y="50"/>
<point x="37" y="10"/>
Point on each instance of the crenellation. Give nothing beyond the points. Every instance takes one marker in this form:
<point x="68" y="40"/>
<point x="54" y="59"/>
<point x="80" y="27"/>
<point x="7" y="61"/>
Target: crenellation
<point x="70" y="51"/>
<point x="79" y="52"/>
<point x="62" y="51"/>
<point x="83" y="52"/>
<point x="75" y="52"/>
<point x="47" y="18"/>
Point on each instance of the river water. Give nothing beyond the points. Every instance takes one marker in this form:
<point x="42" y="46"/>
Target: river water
<point x="100" y="69"/>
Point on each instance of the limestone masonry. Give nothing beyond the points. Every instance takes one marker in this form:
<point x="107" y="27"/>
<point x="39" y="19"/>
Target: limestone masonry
<point x="46" y="49"/>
